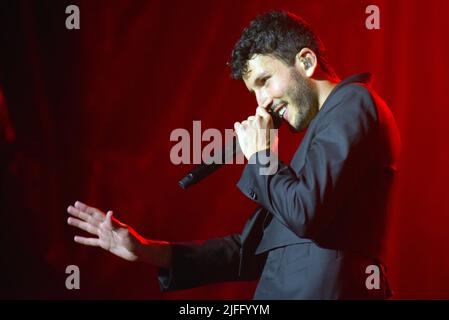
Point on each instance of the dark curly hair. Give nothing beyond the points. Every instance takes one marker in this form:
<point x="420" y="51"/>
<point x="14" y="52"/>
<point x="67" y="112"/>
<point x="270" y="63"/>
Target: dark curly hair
<point x="280" y="34"/>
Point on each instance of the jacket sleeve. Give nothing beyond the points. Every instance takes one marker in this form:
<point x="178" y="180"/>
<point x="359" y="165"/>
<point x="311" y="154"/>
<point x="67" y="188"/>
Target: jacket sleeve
<point x="198" y="263"/>
<point x="230" y="258"/>
<point x="300" y="199"/>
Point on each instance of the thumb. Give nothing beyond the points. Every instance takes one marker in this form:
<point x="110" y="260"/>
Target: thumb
<point x="108" y="219"/>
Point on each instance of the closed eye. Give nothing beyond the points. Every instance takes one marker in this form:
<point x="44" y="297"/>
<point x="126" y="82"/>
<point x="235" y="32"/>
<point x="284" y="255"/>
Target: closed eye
<point x="260" y="81"/>
<point x="264" y="80"/>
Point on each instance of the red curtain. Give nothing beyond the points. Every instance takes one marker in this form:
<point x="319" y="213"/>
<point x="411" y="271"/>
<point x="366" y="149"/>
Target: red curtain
<point x="92" y="112"/>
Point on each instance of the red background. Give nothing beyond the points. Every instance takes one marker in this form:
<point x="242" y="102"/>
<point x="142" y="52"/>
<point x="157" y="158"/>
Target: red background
<point x="93" y="109"/>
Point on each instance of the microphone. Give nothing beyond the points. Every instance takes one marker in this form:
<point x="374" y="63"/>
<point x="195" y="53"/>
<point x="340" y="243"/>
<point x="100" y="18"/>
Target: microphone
<point x="228" y="152"/>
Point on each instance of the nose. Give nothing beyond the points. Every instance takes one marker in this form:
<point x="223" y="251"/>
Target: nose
<point x="263" y="98"/>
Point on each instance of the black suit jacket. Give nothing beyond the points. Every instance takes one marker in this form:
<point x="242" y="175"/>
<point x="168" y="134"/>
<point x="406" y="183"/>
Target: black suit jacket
<point x="321" y="220"/>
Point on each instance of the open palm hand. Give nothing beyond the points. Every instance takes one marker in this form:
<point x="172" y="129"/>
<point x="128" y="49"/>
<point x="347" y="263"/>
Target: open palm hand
<point x="111" y="234"/>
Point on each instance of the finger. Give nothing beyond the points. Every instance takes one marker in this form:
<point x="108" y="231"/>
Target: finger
<point x="251" y="118"/>
<point x="267" y="103"/>
<point x="84" y="216"/>
<point x="94" y="242"/>
<point x="237" y="128"/>
<point x="108" y="220"/>
<point x="83" y="225"/>
<point x="262" y="112"/>
<point x="96" y="213"/>
<point x="259" y="122"/>
<point x="90" y="210"/>
<point x="79" y="214"/>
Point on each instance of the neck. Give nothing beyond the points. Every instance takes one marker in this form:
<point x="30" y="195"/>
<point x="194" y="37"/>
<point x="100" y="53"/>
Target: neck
<point x="324" y="88"/>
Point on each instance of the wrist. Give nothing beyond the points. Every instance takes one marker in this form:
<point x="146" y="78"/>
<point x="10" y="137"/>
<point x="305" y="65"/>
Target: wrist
<point x="156" y="253"/>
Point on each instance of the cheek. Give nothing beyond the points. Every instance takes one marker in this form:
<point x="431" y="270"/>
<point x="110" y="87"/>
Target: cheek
<point x="278" y="89"/>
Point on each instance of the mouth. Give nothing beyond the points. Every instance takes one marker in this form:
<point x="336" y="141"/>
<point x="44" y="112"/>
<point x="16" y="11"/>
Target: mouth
<point x="280" y="109"/>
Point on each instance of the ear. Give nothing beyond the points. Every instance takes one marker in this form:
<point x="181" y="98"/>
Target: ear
<point x="306" y="62"/>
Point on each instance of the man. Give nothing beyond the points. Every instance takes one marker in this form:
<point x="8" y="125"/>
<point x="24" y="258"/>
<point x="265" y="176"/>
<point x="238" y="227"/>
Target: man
<point x="321" y="220"/>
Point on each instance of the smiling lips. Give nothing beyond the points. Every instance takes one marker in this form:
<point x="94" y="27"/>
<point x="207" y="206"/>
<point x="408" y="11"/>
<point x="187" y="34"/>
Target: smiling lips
<point x="280" y="109"/>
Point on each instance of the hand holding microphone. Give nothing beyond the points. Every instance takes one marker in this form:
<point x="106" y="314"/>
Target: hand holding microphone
<point x="254" y="134"/>
<point x="249" y="134"/>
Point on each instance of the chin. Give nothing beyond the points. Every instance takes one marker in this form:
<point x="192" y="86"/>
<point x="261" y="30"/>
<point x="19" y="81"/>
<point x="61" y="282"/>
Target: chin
<point x="295" y="124"/>
<point x="294" y="129"/>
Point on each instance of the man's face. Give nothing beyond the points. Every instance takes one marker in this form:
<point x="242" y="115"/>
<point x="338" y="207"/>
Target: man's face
<point x="282" y="88"/>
